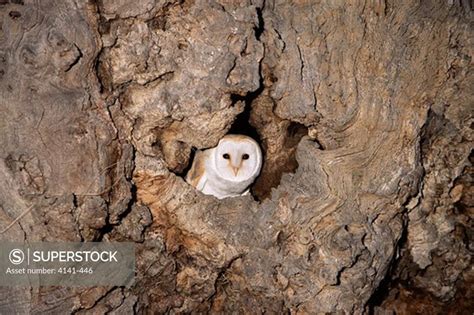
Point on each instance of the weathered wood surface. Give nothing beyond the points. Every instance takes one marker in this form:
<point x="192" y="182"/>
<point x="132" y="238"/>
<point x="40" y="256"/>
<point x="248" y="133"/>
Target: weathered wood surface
<point x="364" y="111"/>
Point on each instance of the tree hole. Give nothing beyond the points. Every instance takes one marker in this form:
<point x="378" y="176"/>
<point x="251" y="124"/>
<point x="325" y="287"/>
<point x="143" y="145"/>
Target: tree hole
<point x="278" y="139"/>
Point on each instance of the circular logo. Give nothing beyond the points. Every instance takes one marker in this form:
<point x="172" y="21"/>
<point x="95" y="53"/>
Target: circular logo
<point x="16" y="256"/>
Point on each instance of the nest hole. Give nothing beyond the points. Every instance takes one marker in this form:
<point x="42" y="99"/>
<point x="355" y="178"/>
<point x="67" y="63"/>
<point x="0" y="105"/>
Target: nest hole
<point x="278" y="139"/>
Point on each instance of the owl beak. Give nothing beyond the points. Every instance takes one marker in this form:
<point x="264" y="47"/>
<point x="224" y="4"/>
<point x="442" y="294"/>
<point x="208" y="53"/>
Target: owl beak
<point x="236" y="170"/>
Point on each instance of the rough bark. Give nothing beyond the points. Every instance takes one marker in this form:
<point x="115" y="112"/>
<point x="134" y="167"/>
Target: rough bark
<point x="364" y="112"/>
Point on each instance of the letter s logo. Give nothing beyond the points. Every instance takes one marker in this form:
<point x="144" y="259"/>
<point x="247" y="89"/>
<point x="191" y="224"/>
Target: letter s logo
<point x="16" y="256"/>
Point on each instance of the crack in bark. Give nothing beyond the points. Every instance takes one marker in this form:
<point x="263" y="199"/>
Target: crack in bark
<point x="76" y="61"/>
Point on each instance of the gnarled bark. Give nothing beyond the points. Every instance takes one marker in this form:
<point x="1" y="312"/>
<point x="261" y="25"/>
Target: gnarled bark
<point x="364" y="112"/>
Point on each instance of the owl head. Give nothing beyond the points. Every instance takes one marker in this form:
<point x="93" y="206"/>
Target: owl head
<point x="237" y="158"/>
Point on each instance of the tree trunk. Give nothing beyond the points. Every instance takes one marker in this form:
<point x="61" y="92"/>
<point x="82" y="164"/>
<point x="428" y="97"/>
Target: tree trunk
<point x="363" y="111"/>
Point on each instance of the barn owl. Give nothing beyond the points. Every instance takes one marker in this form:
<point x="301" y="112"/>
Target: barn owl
<point x="228" y="169"/>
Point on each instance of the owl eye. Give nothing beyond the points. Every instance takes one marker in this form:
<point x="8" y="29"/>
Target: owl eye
<point x="245" y="156"/>
<point x="226" y="156"/>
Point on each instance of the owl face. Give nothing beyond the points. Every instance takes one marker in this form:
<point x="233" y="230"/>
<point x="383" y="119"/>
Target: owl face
<point x="237" y="158"/>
